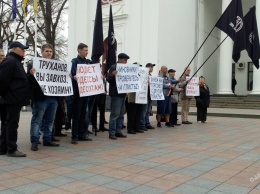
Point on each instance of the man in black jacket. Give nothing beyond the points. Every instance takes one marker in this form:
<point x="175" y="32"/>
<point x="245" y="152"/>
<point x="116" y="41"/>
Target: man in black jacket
<point x="117" y="101"/>
<point x="14" y="88"/>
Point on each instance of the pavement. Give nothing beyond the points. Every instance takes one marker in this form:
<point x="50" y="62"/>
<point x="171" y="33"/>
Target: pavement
<point x="218" y="157"/>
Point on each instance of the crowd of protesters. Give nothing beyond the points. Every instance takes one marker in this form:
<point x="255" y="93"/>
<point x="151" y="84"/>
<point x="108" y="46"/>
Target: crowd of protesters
<point x="50" y="113"/>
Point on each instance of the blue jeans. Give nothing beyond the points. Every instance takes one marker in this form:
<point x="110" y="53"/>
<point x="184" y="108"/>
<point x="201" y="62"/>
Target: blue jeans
<point x="116" y="115"/>
<point x="146" y="108"/>
<point x="89" y="108"/>
<point x="43" y="116"/>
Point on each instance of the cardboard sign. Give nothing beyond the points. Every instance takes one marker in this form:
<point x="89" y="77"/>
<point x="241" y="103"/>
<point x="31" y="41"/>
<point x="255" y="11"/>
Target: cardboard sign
<point x="141" y="97"/>
<point x="127" y="78"/>
<point x="192" y="88"/>
<point x="90" y="80"/>
<point x="53" y="76"/>
<point x="156" y="88"/>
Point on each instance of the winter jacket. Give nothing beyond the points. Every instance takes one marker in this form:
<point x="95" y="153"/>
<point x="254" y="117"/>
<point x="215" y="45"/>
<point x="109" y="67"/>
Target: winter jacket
<point x="203" y="99"/>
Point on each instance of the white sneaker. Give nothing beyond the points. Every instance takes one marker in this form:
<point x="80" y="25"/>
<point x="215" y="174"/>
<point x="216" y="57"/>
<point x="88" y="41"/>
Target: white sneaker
<point x="67" y="131"/>
<point x="198" y="121"/>
<point x="204" y="121"/>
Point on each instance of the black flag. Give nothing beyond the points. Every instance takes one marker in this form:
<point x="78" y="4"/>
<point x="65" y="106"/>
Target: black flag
<point x="231" y="22"/>
<point x="98" y="48"/>
<point x="252" y="38"/>
<point x="111" y="41"/>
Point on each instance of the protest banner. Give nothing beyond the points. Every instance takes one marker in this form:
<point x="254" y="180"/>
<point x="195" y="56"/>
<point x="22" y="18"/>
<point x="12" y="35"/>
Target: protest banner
<point x="156" y="88"/>
<point x="127" y="78"/>
<point x="90" y="80"/>
<point x="53" y="76"/>
<point x="192" y="88"/>
<point x="141" y="97"/>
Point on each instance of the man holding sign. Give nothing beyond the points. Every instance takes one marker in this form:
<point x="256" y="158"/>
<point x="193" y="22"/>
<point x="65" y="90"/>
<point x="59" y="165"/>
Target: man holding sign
<point x="44" y="107"/>
<point x="117" y="101"/>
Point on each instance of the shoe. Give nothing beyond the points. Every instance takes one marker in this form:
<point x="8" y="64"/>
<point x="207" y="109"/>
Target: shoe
<point x="185" y="122"/>
<point x="74" y="141"/>
<point x="68" y="130"/>
<point x="104" y="129"/>
<point x="120" y="135"/>
<point x="177" y="124"/>
<point x="54" y="139"/>
<point x="139" y="131"/>
<point x="204" y="121"/>
<point x="112" y="137"/>
<point x="131" y="132"/>
<point x="50" y="144"/>
<point x="159" y="125"/>
<point x="34" y="147"/>
<point x="106" y="122"/>
<point x="149" y="127"/>
<point x="85" y="139"/>
<point x="16" y="154"/>
<point x="168" y="124"/>
<point x="189" y="122"/>
<point x="198" y="121"/>
<point x="3" y="152"/>
<point x="60" y="135"/>
<point x="144" y="129"/>
<point x="95" y="130"/>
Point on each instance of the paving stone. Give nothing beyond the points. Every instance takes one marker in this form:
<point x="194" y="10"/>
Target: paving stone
<point x="32" y="188"/>
<point x="232" y="189"/>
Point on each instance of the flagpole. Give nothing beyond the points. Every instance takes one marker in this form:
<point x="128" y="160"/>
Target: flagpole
<point x="209" y="57"/>
<point x="35" y="37"/>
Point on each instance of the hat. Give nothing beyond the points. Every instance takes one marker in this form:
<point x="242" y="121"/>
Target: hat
<point x="171" y="70"/>
<point x="123" y="56"/>
<point x="150" y="65"/>
<point x="17" y="44"/>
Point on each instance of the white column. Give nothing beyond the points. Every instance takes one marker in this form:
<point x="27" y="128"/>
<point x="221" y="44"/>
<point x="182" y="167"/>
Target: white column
<point x="225" y="62"/>
<point x="256" y="73"/>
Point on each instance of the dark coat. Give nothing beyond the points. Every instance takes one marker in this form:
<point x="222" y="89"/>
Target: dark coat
<point x="13" y="81"/>
<point x="203" y="99"/>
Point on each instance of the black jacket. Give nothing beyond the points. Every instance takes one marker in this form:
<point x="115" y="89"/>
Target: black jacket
<point x="203" y="100"/>
<point x="112" y="83"/>
<point x="36" y="92"/>
<point x="13" y="81"/>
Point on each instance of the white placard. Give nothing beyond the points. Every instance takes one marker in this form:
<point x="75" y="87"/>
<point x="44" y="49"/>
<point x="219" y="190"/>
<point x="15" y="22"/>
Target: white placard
<point x="53" y="76"/>
<point x="127" y="78"/>
<point x="192" y="88"/>
<point x="156" y="88"/>
<point x="141" y="97"/>
<point x="90" y="79"/>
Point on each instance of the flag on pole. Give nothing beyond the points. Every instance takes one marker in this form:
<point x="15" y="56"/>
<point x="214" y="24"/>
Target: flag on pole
<point x="98" y="48"/>
<point x="24" y="6"/>
<point x="35" y="7"/>
<point x="231" y="22"/>
<point x="14" y="9"/>
<point x="111" y="41"/>
<point x="252" y="37"/>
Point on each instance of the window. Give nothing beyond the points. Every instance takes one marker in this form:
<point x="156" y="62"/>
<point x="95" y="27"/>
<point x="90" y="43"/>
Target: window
<point x="250" y="71"/>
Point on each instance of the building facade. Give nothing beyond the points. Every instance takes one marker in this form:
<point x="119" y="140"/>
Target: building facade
<point x="170" y="32"/>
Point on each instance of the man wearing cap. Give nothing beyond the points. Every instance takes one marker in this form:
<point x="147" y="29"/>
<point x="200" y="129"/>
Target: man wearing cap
<point x="174" y="98"/>
<point x="117" y="101"/>
<point x="146" y="108"/>
<point x="14" y="88"/>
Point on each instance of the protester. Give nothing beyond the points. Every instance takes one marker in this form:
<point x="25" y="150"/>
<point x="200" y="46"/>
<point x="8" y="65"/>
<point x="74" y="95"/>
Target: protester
<point x="14" y="90"/>
<point x="164" y="106"/>
<point x="202" y="101"/>
<point x="174" y="98"/>
<point x="2" y="113"/>
<point x="185" y="100"/>
<point x="146" y="108"/>
<point x="44" y="107"/>
<point x="117" y="101"/>
<point x="79" y="106"/>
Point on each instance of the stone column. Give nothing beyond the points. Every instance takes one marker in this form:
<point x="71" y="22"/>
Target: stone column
<point x="225" y="62"/>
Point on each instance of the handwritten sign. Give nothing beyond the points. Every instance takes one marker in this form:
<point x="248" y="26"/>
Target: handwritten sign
<point x="90" y="80"/>
<point x="141" y="97"/>
<point x="156" y="88"/>
<point x="127" y="78"/>
<point x="53" y="76"/>
<point x="192" y="88"/>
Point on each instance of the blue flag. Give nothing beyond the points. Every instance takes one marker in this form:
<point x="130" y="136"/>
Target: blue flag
<point x="14" y="9"/>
